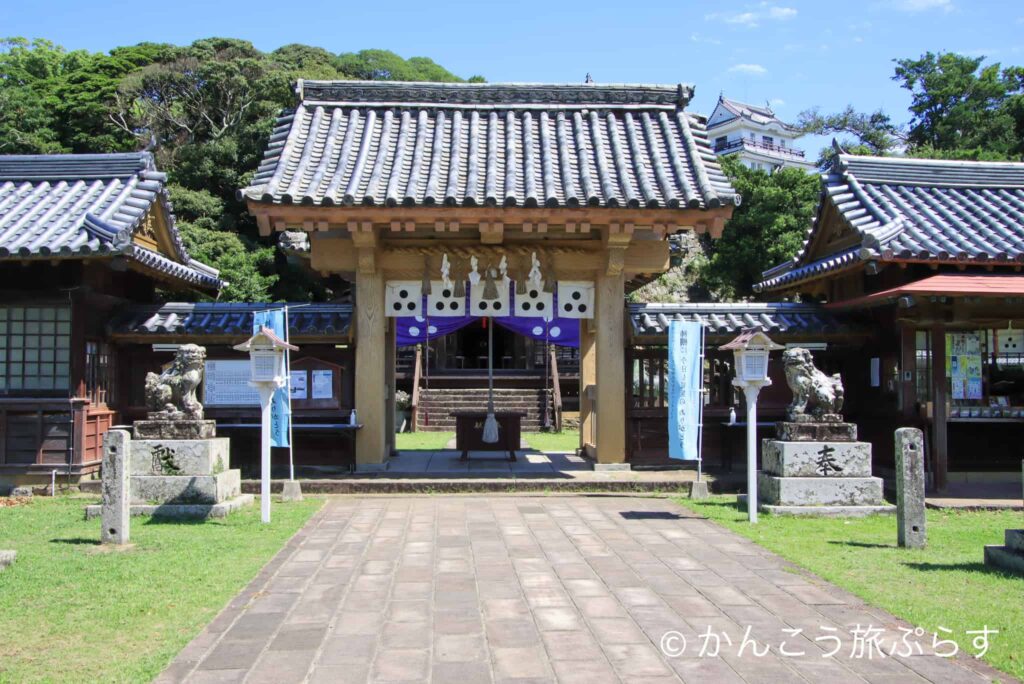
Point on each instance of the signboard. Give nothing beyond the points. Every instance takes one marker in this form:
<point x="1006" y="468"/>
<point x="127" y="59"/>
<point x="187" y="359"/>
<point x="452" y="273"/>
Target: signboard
<point x="963" y="365"/>
<point x="298" y="384"/>
<point x="226" y="383"/>
<point x="323" y="384"/>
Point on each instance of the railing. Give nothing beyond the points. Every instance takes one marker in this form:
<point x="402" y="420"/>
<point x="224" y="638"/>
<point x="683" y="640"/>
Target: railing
<point x="757" y="145"/>
<point x="556" y="391"/>
<point x="414" y="403"/>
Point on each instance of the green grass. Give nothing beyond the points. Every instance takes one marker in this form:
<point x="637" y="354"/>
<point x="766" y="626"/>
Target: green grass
<point x="435" y="441"/>
<point x="567" y="440"/>
<point x="422" y="441"/>
<point x="71" y="610"/>
<point x="946" y="584"/>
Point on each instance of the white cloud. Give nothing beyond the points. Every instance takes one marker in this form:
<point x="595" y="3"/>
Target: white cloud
<point x="748" y="69"/>
<point x="698" y="38"/>
<point x="754" y="15"/>
<point x="924" y="5"/>
<point x="777" y="102"/>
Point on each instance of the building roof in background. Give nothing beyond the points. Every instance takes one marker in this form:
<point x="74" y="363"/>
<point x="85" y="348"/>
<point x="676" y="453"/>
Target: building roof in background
<point x="90" y="205"/>
<point x="760" y="115"/>
<point x="177" y="321"/>
<point x="914" y="210"/>
<point x="421" y="144"/>
<point x="981" y="285"/>
<point x="721" y="319"/>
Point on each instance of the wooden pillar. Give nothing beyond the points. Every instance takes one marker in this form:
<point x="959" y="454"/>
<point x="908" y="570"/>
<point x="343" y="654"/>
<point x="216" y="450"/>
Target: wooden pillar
<point x="908" y="370"/>
<point x="939" y="455"/>
<point x="389" y="372"/>
<point x="371" y="376"/>
<point x="588" y="369"/>
<point x="610" y="373"/>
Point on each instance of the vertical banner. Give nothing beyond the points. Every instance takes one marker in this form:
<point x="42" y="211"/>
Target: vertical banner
<point x="684" y="389"/>
<point x="280" y="410"/>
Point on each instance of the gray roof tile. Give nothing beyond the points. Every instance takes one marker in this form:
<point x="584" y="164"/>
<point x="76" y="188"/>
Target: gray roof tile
<point x="649" y="320"/>
<point x="412" y="144"/>
<point x="79" y="205"/>
<point x="228" y="320"/>
<point x="916" y="210"/>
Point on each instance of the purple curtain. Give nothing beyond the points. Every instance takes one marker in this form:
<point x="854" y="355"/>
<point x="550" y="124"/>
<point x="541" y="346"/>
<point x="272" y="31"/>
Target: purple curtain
<point x="417" y="329"/>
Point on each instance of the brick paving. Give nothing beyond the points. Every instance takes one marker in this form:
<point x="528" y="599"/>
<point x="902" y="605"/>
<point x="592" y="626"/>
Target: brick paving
<point x="538" y="589"/>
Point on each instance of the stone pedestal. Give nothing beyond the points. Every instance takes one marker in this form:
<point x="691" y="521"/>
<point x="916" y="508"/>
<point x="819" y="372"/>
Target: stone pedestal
<point x="182" y="477"/>
<point x="1010" y="556"/>
<point x="818" y="468"/>
<point x="174" y="429"/>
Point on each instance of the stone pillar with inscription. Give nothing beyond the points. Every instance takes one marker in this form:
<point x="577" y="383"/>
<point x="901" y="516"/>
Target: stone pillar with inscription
<point x="815" y="465"/>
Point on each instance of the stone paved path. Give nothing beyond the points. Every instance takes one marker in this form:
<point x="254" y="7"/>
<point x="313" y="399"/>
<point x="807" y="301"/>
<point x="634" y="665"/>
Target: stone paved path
<point x="567" y="589"/>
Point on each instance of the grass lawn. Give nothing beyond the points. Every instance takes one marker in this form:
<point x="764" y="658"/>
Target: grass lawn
<point x="567" y="440"/>
<point x="72" y="611"/>
<point x="422" y="441"/>
<point x="946" y="584"/>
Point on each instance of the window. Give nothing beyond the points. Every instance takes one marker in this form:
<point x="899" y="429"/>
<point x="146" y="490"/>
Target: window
<point x="99" y="372"/>
<point x="782" y="143"/>
<point x="767" y="140"/>
<point x="720" y="142"/>
<point x="35" y="348"/>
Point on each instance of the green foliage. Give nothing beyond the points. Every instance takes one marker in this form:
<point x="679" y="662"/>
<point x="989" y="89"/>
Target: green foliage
<point x="766" y="229"/>
<point x="863" y="133"/>
<point x="204" y="109"/>
<point x="959" y="104"/>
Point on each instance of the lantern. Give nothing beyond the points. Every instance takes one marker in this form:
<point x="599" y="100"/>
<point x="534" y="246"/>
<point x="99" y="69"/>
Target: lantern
<point x="750" y="351"/>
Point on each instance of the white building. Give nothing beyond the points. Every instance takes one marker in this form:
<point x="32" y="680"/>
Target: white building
<point x="755" y="135"/>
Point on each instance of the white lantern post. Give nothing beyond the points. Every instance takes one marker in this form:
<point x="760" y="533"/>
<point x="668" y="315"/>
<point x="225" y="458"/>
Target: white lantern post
<point x="267" y="373"/>
<point x="751" y="350"/>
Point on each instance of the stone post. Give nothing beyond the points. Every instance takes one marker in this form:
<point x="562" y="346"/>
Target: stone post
<point x="910" y="509"/>
<point x="117" y="499"/>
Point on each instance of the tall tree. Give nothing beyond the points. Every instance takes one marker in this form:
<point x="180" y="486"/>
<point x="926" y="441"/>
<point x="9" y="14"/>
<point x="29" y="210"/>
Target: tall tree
<point x="960" y="104"/>
<point x="765" y="230"/>
<point x="862" y="133"/>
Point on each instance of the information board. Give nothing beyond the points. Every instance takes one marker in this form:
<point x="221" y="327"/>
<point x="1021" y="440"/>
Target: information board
<point x="227" y="384"/>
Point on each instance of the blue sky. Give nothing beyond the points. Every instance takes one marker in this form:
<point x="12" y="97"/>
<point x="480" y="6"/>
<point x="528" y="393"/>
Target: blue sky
<point x="794" y="54"/>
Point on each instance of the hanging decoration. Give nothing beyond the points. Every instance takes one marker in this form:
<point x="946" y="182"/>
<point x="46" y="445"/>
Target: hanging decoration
<point x="403" y="298"/>
<point x="575" y="299"/>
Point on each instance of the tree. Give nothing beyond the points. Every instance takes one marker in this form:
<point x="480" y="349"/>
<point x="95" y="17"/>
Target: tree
<point x="958" y="104"/>
<point x="865" y="133"/>
<point x="765" y="230"/>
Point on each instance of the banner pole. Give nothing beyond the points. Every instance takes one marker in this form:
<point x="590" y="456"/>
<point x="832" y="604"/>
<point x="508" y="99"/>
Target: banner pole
<point x="700" y="407"/>
<point x="288" y="386"/>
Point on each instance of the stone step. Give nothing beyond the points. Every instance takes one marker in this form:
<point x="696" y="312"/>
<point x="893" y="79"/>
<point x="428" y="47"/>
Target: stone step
<point x="1015" y="540"/>
<point x="1005" y="559"/>
<point x="186" y="489"/>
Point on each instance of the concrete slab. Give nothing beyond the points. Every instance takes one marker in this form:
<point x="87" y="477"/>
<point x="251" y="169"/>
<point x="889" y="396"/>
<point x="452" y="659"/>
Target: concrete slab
<point x="183" y="511"/>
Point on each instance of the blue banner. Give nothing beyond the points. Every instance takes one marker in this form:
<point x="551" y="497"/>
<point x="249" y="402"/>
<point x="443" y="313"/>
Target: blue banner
<point x="280" y="408"/>
<point x="684" y="389"/>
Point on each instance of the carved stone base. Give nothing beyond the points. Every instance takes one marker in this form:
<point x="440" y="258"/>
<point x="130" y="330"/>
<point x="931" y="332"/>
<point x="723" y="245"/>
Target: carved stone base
<point x="175" y="429"/>
<point x="816" y="432"/>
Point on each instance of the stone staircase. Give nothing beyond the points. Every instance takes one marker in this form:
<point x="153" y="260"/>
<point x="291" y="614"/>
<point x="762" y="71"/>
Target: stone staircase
<point x="436" y="404"/>
<point x="1010" y="557"/>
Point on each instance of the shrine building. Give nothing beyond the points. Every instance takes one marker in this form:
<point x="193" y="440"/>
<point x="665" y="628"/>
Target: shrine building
<point x="530" y="206"/>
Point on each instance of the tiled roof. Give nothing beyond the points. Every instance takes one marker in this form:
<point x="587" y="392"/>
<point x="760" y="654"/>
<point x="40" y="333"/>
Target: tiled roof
<point x="755" y="113"/>
<point x="919" y="210"/>
<point x="731" y="318"/>
<point x="82" y="205"/>
<point x="413" y="144"/>
<point x="177" y="321"/>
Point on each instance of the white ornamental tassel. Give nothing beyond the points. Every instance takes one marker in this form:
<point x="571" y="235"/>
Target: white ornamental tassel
<point x="490" y="435"/>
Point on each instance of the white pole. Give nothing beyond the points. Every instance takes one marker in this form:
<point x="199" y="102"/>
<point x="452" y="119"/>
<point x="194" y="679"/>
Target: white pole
<point x="700" y="407"/>
<point x="266" y="399"/>
<point x="751" y="393"/>
<point x="288" y="376"/>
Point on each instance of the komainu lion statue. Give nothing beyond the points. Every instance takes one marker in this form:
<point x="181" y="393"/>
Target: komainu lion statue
<point x="172" y="394"/>
<point x="813" y="391"/>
